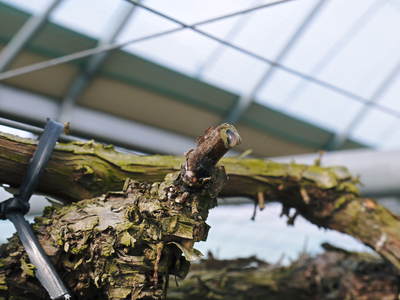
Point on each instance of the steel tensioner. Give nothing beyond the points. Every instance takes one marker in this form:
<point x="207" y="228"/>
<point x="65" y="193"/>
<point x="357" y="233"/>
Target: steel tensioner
<point x="16" y="207"/>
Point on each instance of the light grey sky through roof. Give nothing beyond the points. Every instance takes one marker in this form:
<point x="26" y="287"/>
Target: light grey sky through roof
<point x="359" y="67"/>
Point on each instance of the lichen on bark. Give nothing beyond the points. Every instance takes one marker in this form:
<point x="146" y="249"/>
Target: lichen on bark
<point x="326" y="196"/>
<point x="126" y="244"/>
<point x="335" y="274"/>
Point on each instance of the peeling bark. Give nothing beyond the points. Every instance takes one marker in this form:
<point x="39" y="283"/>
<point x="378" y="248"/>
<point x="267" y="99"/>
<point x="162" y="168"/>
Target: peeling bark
<point x="334" y="275"/>
<point x="326" y="196"/>
<point x="125" y="245"/>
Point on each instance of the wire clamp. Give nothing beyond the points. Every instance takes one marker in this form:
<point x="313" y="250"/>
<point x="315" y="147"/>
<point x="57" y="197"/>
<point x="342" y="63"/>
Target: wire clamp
<point x="16" y="207"/>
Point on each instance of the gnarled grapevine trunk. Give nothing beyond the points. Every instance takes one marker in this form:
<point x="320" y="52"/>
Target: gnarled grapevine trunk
<point x="327" y="197"/>
<point x="335" y="274"/>
<point x="125" y="245"/>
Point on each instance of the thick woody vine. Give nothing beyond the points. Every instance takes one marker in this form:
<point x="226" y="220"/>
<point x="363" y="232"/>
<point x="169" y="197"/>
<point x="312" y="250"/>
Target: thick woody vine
<point x="326" y="196"/>
<point x="125" y="245"/>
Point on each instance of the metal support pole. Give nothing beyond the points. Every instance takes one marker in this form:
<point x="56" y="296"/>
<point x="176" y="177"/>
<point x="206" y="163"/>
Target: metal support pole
<point x="25" y="34"/>
<point x="245" y="100"/>
<point x="217" y="52"/>
<point x="340" y="138"/>
<point x="80" y="83"/>
<point x="338" y="47"/>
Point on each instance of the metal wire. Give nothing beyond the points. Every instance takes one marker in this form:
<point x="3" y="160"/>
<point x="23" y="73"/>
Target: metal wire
<point x="63" y="137"/>
<point x="109" y="47"/>
<point x="214" y="55"/>
<point x="340" y="138"/>
<point x="89" y="52"/>
<point x="246" y="100"/>
<point x="289" y="70"/>
<point x="25" y="34"/>
<point x="34" y="129"/>
<point x="94" y="63"/>
<point x="337" y="48"/>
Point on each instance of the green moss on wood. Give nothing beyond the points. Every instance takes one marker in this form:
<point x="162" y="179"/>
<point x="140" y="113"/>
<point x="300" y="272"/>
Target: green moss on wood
<point x="90" y="169"/>
<point x="326" y="196"/>
<point x="334" y="274"/>
<point x="121" y="245"/>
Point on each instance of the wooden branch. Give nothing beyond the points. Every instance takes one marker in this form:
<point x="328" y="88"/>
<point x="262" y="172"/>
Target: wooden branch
<point x="211" y="147"/>
<point x="335" y="274"/>
<point x="124" y="245"/>
<point x="327" y="197"/>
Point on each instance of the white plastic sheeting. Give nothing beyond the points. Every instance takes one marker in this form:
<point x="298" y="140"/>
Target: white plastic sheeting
<point x="359" y="65"/>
